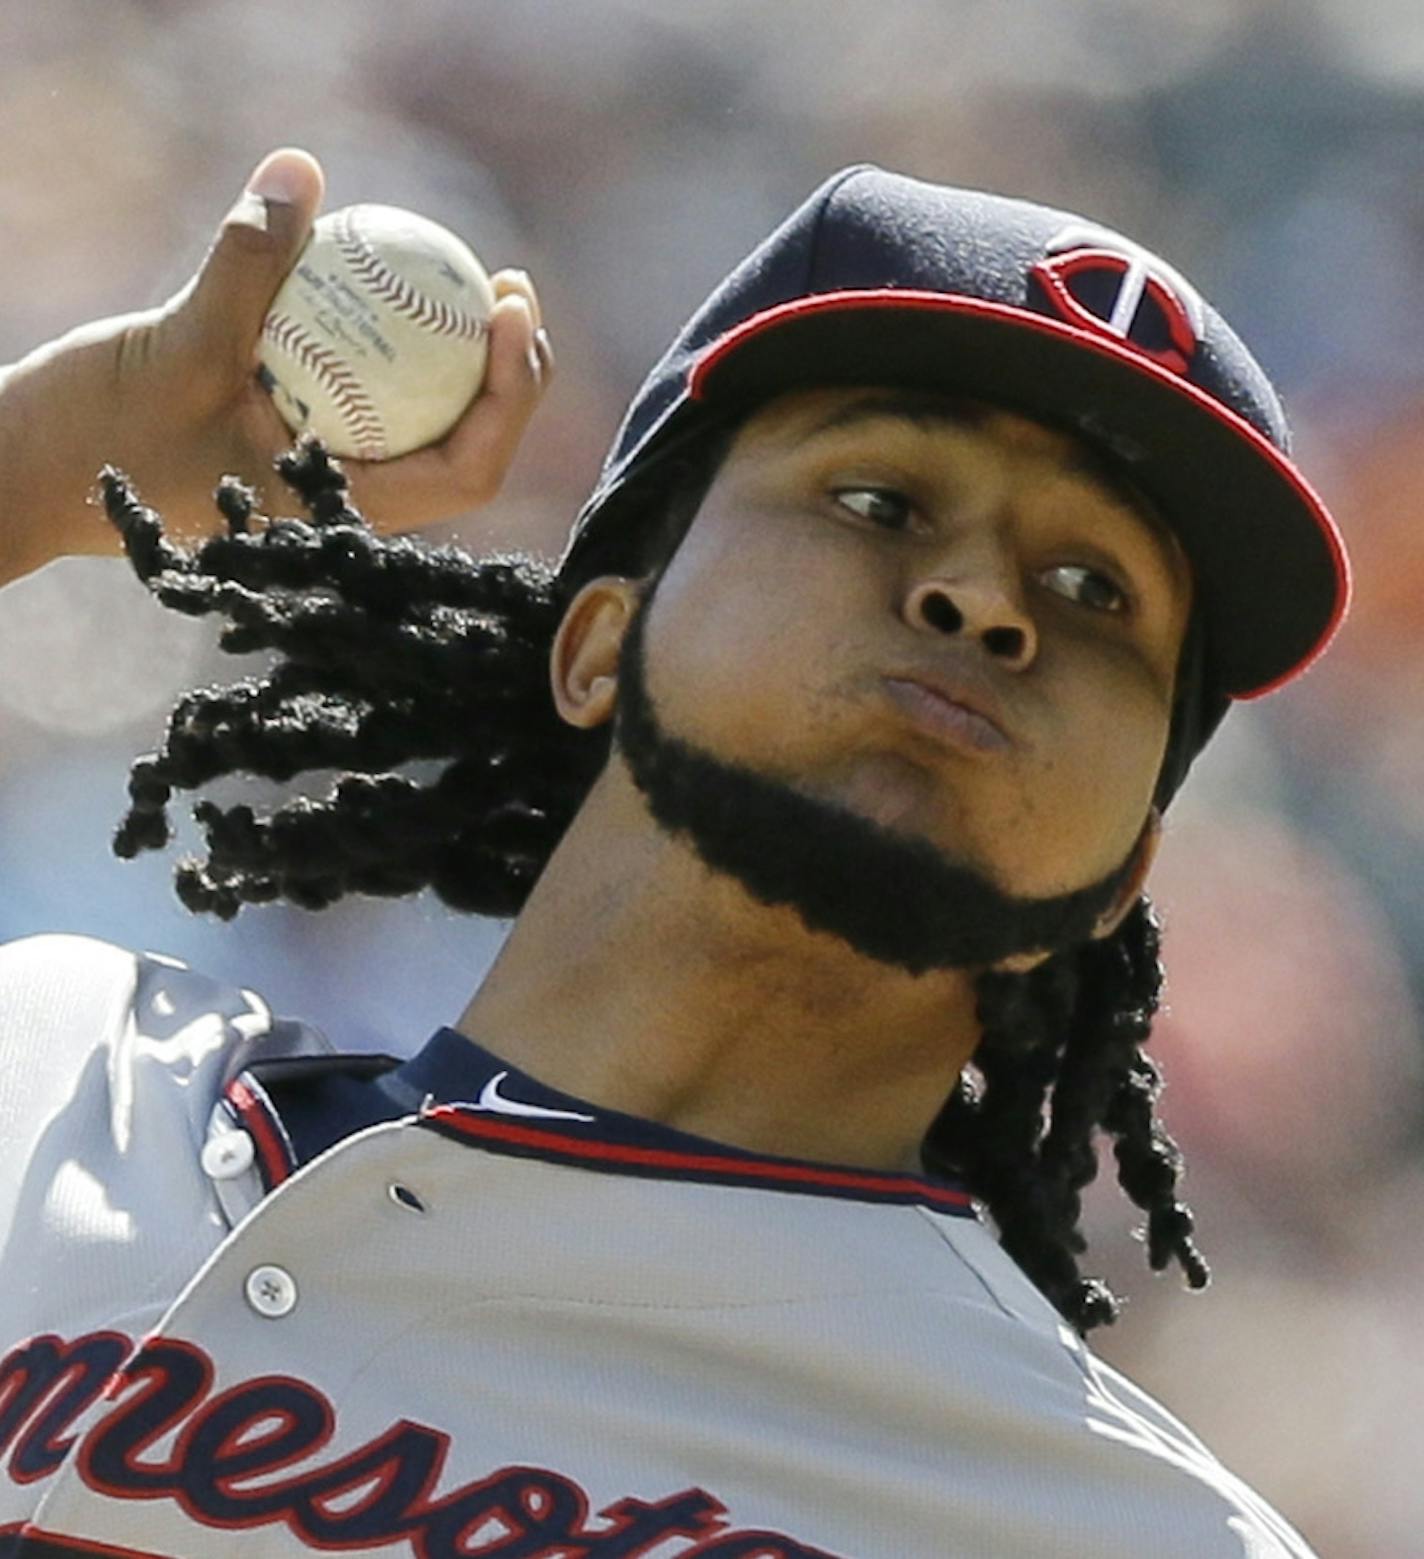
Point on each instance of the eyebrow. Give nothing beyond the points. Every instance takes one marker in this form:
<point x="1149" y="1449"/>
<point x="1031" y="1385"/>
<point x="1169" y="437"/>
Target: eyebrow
<point x="931" y="412"/>
<point x="926" y="411"/>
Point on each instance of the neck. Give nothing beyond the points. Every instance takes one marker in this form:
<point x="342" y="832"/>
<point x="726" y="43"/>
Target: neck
<point x="641" y="981"/>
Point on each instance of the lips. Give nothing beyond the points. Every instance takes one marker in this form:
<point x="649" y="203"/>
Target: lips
<point x="953" y="716"/>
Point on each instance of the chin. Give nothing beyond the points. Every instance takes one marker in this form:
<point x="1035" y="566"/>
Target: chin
<point x="889" y="791"/>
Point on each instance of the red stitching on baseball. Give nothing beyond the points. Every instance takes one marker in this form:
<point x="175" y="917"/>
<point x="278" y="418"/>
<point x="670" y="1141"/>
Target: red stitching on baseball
<point x="433" y="314"/>
<point x="360" y="417"/>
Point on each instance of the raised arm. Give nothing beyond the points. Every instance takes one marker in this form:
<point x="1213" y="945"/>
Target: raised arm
<point x="169" y="395"/>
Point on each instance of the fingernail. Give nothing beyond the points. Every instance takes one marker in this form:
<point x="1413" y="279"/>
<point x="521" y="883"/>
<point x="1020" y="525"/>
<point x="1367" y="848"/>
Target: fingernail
<point x="250" y="210"/>
<point x="277" y="178"/>
<point x="541" y="339"/>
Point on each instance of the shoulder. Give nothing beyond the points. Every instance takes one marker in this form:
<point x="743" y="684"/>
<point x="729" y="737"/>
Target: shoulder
<point x="1115" y="1452"/>
<point x="63" y="997"/>
<point x="111" y="1063"/>
<point x="115" y="1050"/>
<point x="87" y="1027"/>
<point x="54" y="982"/>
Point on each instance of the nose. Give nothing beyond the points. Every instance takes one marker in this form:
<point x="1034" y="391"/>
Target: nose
<point x="983" y="608"/>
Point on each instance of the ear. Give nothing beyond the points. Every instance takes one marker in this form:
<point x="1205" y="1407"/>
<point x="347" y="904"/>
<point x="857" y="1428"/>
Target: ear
<point x="583" y="664"/>
<point x="1131" y="890"/>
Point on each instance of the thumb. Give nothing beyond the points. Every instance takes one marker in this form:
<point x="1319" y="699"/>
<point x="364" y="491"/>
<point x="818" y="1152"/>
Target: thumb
<point x="220" y="313"/>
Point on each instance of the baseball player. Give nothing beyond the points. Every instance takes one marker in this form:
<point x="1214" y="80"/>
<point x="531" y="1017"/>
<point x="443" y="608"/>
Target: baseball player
<point x="737" y="1214"/>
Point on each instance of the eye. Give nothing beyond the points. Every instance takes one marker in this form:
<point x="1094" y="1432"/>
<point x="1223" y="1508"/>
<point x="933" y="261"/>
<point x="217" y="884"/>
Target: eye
<point x="1089" y="587"/>
<point x="881" y="506"/>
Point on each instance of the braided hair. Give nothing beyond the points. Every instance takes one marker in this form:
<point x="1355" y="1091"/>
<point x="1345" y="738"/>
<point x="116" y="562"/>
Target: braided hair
<point x="389" y="652"/>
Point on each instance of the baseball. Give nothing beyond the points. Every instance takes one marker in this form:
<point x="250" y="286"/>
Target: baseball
<point x="376" y="341"/>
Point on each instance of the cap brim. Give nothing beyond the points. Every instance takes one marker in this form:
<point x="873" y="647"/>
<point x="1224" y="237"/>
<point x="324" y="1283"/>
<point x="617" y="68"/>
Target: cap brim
<point x="1273" y="579"/>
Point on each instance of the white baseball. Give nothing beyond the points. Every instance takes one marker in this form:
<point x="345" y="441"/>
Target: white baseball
<point x="377" y="339"/>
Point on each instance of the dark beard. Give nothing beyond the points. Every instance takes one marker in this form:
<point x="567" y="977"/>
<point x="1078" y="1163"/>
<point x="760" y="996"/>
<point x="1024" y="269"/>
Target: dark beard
<point x="892" y="898"/>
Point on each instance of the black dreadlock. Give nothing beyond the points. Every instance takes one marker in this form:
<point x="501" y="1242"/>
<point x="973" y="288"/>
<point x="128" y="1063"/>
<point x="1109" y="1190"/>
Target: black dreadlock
<point x="391" y="651"/>
<point x="1060" y="1058"/>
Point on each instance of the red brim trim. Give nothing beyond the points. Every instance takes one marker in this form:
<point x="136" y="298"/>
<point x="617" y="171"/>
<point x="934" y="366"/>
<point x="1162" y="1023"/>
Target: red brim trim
<point x="704" y="371"/>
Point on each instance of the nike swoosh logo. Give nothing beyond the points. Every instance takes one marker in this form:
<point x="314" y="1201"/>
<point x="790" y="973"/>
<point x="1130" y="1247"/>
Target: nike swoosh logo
<point x="492" y="1099"/>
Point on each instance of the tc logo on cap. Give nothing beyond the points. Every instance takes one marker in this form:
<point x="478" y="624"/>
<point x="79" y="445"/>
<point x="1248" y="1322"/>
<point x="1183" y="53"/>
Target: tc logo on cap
<point x="1103" y="282"/>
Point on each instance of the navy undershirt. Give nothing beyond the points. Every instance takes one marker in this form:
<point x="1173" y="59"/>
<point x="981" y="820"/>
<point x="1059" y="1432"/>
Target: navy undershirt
<point x="457" y="1087"/>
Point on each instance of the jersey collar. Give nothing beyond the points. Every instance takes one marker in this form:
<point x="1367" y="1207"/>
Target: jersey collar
<point x="296" y="1108"/>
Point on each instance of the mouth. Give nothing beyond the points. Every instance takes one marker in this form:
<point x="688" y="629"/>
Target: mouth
<point x="948" y="716"/>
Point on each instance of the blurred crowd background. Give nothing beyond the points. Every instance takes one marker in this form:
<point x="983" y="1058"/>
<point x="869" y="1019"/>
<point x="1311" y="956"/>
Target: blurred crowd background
<point x="627" y="152"/>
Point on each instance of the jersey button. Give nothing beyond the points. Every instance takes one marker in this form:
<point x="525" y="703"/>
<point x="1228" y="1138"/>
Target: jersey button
<point x="227" y="1156"/>
<point x="271" y="1291"/>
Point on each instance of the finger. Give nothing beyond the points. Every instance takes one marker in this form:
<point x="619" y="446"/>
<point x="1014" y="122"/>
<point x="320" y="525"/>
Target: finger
<point x="220" y="315"/>
<point x="514" y="281"/>
<point x="545" y="348"/>
<point x="481" y="446"/>
<point x="468" y="467"/>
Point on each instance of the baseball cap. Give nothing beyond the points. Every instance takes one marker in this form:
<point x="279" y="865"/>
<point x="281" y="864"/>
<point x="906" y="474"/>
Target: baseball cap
<point x="878" y="278"/>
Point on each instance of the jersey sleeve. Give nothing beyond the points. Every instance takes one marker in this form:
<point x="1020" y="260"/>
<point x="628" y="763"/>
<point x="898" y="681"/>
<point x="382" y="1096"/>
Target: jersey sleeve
<point x="62" y="998"/>
<point x="110" y="1064"/>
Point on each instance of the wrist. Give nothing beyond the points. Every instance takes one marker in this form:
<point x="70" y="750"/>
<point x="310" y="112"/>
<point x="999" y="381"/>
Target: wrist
<point x="57" y="427"/>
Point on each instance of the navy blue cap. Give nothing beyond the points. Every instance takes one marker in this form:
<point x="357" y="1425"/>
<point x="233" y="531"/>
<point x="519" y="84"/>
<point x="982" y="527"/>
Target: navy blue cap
<point x="879" y="279"/>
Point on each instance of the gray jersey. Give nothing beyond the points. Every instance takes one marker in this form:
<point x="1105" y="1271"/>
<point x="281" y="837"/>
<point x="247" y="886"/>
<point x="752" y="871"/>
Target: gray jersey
<point x="260" y="1298"/>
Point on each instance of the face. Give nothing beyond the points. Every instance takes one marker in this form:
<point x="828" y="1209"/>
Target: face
<point x="910" y="674"/>
<point x="947" y="624"/>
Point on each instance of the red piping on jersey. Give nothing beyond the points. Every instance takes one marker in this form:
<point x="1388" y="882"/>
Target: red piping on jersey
<point x="955" y="303"/>
<point x="77" y="1545"/>
<point x="454" y="1117"/>
<point x="256" y="1116"/>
